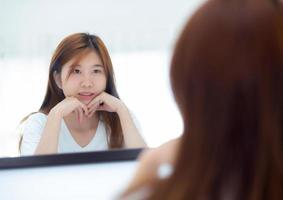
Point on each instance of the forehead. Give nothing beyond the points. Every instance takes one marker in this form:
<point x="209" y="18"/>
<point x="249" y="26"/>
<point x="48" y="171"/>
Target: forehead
<point x="88" y="58"/>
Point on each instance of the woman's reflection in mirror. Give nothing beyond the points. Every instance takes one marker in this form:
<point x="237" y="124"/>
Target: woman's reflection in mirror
<point x="81" y="110"/>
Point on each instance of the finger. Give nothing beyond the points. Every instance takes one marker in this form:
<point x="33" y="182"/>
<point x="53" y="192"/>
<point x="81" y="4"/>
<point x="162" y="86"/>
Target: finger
<point x="79" y="104"/>
<point x="85" y="109"/>
<point x="93" y="103"/>
<point x="96" y="99"/>
<point x="101" y="102"/>
<point x="94" y="106"/>
<point x="101" y="108"/>
<point x="91" y="113"/>
<point x="77" y="114"/>
<point x="80" y="110"/>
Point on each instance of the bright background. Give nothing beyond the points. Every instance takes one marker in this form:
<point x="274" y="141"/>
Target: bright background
<point x="140" y="36"/>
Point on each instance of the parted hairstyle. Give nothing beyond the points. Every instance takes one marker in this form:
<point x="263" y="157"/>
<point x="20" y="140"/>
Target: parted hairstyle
<point x="75" y="47"/>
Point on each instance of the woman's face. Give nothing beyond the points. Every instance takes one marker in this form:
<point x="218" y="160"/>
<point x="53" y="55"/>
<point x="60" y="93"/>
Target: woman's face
<point x="84" y="80"/>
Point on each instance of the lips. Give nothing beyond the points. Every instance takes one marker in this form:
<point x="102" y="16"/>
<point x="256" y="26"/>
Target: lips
<point x="86" y="95"/>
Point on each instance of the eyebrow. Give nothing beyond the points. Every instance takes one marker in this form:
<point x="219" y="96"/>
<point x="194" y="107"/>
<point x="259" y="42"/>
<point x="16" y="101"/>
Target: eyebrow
<point x="97" y="65"/>
<point x="78" y="65"/>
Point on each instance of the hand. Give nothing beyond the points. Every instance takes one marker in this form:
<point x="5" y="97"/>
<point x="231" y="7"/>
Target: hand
<point x="71" y="104"/>
<point x="104" y="102"/>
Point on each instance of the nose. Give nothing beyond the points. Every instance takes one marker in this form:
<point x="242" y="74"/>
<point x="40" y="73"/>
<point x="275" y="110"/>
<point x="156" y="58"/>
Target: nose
<point x="86" y="81"/>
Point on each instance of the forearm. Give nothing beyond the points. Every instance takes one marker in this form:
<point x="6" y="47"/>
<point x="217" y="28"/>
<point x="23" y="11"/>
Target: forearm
<point x="132" y="137"/>
<point x="49" y="140"/>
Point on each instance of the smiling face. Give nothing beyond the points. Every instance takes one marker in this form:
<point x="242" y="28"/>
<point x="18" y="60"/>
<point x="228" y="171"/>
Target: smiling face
<point x="84" y="78"/>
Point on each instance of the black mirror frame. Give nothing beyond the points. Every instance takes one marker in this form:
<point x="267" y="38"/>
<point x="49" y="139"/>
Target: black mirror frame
<point x="70" y="158"/>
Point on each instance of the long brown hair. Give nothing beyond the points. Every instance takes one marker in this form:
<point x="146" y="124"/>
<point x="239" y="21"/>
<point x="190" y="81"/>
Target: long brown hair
<point x="227" y="78"/>
<point x="75" y="46"/>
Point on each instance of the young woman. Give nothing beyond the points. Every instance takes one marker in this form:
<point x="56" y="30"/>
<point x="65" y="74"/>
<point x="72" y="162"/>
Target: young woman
<point x="227" y="78"/>
<point x="81" y="110"/>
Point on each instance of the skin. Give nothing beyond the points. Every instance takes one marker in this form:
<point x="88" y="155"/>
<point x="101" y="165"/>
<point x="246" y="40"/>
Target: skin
<point x="84" y="87"/>
<point x="149" y="162"/>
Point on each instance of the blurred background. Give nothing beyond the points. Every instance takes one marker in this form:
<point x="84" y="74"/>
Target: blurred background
<point x="140" y="37"/>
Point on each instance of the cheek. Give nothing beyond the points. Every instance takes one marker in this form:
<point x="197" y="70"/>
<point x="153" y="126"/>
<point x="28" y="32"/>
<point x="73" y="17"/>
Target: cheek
<point x="101" y="83"/>
<point x="70" y="84"/>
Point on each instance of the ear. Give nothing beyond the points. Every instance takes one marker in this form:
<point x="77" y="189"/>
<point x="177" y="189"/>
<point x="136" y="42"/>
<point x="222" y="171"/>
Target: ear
<point x="57" y="79"/>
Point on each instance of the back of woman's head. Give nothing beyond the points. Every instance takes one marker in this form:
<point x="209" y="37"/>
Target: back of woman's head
<point x="227" y="78"/>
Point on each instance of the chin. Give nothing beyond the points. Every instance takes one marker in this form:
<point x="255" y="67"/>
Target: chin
<point x="85" y="101"/>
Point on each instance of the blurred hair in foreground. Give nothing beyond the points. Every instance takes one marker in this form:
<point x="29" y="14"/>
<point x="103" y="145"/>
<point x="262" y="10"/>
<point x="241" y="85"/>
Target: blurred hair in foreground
<point x="227" y="78"/>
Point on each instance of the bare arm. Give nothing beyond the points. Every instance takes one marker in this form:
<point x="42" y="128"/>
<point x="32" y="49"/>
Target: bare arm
<point x="132" y="137"/>
<point x="109" y="103"/>
<point x="49" y="140"/>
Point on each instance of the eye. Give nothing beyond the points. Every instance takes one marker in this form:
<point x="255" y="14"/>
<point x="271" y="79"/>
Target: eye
<point x="96" y="71"/>
<point x="76" y="71"/>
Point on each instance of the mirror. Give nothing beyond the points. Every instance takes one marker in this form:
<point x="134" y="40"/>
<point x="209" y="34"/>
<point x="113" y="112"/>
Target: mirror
<point x="139" y="36"/>
<point x="98" y="175"/>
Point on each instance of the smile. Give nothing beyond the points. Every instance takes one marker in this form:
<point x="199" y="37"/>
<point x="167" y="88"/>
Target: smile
<point x="86" y="95"/>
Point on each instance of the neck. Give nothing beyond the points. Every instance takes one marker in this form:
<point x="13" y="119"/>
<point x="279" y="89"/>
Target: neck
<point x="86" y="123"/>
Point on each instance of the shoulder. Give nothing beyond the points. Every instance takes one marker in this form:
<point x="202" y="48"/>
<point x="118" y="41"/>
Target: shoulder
<point x="149" y="162"/>
<point x="166" y="153"/>
<point x="30" y="131"/>
<point x="35" y="118"/>
<point x="151" y="159"/>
